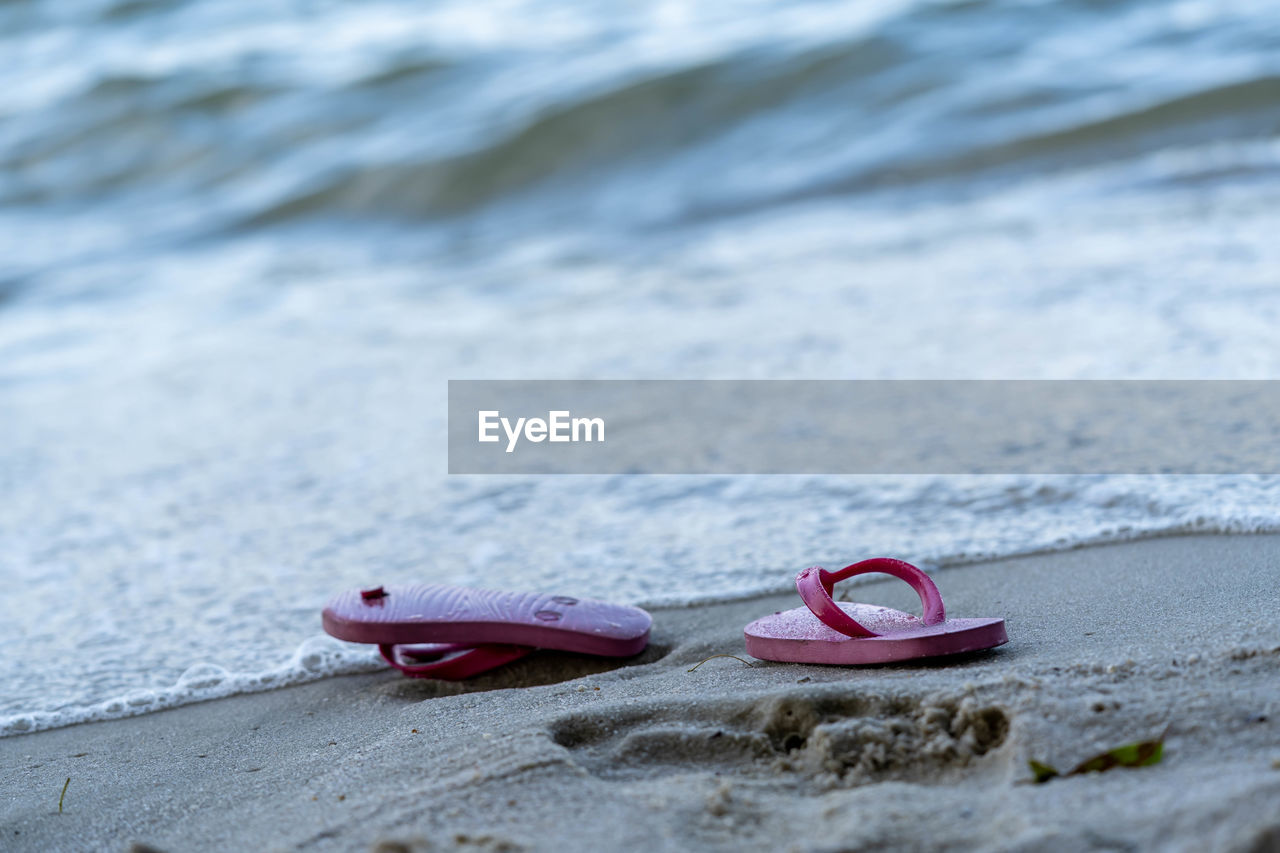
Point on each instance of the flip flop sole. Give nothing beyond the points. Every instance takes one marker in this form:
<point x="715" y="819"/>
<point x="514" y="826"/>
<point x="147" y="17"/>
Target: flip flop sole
<point x="796" y="636"/>
<point x="430" y="613"/>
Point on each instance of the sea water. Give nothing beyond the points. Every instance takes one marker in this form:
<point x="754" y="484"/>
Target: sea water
<point x="244" y="245"/>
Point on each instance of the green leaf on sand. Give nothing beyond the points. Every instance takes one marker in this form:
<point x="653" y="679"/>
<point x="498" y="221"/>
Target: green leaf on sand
<point x="1141" y="754"/>
<point x="1043" y="772"/>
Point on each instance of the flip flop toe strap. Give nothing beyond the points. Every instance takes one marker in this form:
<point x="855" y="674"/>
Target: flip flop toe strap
<point x="815" y="585"/>
<point x="450" y="661"/>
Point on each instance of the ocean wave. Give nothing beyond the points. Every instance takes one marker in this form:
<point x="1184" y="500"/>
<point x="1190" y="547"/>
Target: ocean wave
<point x="633" y="121"/>
<point x="565" y="148"/>
<point x="929" y="95"/>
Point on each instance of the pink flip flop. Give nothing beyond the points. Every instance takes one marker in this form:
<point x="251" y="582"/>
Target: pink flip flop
<point x="433" y="631"/>
<point x="826" y="632"/>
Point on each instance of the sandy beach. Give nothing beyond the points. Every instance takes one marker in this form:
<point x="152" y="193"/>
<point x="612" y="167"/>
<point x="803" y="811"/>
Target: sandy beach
<point x="1108" y="645"/>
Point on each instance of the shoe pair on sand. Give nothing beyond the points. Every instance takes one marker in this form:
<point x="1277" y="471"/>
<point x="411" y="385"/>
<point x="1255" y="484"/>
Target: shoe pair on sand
<point x="431" y="631"/>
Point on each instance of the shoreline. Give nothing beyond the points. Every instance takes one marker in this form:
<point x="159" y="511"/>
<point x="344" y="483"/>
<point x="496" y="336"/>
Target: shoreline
<point x="320" y="657"/>
<point x="1109" y="644"/>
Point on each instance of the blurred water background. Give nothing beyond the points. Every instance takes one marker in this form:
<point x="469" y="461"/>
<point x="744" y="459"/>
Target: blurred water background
<point x="243" y="245"/>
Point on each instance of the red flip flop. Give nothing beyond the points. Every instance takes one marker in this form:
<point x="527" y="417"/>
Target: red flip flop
<point x="434" y="631"/>
<point x="824" y="631"/>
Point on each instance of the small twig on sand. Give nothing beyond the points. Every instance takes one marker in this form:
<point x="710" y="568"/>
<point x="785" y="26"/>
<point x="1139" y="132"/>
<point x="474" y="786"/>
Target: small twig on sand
<point x="63" y="794"/>
<point x="735" y="657"/>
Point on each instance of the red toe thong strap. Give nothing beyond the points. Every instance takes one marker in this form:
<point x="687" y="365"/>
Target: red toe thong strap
<point x="815" y="586"/>
<point x="450" y="661"/>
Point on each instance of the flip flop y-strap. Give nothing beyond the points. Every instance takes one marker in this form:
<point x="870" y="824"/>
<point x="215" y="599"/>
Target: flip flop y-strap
<point x="815" y="585"/>
<point x="451" y="661"/>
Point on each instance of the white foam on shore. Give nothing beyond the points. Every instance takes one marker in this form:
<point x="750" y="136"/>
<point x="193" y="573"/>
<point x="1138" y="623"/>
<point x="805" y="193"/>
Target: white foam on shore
<point x="316" y="658"/>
